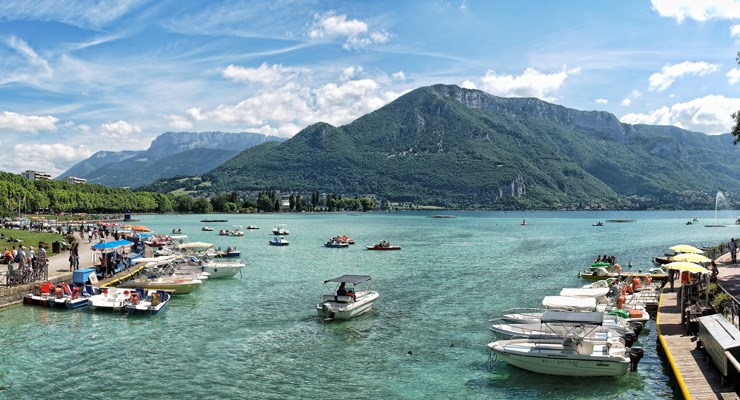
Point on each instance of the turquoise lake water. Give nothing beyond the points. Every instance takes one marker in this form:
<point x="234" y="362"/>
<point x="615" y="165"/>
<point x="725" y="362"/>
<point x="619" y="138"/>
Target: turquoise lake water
<point x="259" y="337"/>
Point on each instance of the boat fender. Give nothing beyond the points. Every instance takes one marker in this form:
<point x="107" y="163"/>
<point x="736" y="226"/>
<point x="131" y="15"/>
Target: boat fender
<point x="635" y="354"/>
<point x="636" y="283"/>
<point x="622" y="299"/>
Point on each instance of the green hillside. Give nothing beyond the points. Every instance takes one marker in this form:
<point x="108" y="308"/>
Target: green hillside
<point x="448" y="146"/>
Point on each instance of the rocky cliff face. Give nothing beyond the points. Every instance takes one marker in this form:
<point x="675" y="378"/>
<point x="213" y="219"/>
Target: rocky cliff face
<point x="170" y="143"/>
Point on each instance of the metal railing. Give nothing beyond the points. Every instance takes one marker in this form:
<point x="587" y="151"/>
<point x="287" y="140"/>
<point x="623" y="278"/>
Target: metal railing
<point x="23" y="276"/>
<point x="731" y="311"/>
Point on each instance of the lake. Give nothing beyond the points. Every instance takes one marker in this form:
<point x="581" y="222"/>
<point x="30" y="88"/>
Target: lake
<point x="258" y="336"/>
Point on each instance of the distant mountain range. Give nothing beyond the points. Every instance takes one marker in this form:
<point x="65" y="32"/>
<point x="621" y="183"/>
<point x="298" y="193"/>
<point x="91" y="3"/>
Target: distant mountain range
<point x="170" y="154"/>
<point x="445" y="145"/>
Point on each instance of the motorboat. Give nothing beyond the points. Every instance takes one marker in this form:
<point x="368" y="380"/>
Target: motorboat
<point x="344" y="239"/>
<point x="580" y="352"/>
<point x="206" y="229"/>
<point x="533" y="315"/>
<point x="110" y="299"/>
<point x="336" y="244"/>
<point x="505" y="330"/>
<point x="237" y="231"/>
<point x="224" y="232"/>
<point x="280" y="229"/>
<point x="252" y="227"/>
<point x="229" y="253"/>
<point x="345" y="302"/>
<point x="689" y="223"/>
<point x="212" y="268"/>
<point x="67" y="296"/>
<point x="176" y="284"/>
<point x="147" y="303"/>
<point x="278" y="241"/>
<point x="598" y="223"/>
<point x="383" y="245"/>
<point x="524" y="222"/>
<point x="632" y="312"/>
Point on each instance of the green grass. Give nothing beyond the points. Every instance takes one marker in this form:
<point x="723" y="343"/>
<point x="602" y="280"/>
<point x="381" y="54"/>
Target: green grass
<point x="28" y="238"/>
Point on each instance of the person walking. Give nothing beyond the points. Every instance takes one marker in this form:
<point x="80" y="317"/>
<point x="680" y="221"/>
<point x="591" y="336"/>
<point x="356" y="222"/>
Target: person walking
<point x="733" y="250"/>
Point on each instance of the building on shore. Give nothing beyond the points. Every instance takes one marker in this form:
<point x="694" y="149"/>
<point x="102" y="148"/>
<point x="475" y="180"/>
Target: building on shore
<point x="75" y="180"/>
<point x="32" y="175"/>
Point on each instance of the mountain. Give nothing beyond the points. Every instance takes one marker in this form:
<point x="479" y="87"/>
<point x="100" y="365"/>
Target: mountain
<point x="170" y="154"/>
<point x="457" y="147"/>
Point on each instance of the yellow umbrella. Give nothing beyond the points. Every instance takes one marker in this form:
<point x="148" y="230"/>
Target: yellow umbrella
<point x="686" y="266"/>
<point x="691" y="257"/>
<point x="685" y="248"/>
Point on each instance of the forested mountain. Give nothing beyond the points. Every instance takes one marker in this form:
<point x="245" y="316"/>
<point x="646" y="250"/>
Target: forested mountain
<point x="457" y="147"/>
<point x="170" y="154"/>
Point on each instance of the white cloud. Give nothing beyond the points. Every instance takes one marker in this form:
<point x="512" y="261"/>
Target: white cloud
<point x="356" y="33"/>
<point x="468" y="84"/>
<point x="399" y="76"/>
<point x="626" y="101"/>
<point x="662" y="80"/>
<point x="285" y="109"/>
<point x="709" y="114"/>
<point x="531" y="83"/>
<point x="735" y="30"/>
<point x="180" y="122"/>
<point x="699" y="10"/>
<point x="602" y="101"/>
<point x="84" y="14"/>
<point x="14" y="122"/>
<point x="733" y="75"/>
<point x="119" y="129"/>
<point x="264" y="74"/>
<point x="43" y="157"/>
<point x="22" y="63"/>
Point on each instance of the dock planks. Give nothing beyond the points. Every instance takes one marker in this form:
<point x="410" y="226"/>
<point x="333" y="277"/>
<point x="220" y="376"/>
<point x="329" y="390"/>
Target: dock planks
<point x="698" y="377"/>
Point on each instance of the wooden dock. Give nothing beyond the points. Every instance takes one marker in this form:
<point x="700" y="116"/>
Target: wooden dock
<point x="697" y="376"/>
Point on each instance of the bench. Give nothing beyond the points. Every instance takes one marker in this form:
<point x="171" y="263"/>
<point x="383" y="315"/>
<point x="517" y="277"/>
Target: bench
<point x="721" y="340"/>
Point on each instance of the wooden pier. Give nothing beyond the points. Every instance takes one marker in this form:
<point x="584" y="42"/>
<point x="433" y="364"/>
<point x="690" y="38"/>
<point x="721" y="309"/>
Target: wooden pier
<point x="697" y="376"/>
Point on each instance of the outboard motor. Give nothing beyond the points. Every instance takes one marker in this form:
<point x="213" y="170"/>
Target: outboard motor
<point x="629" y="338"/>
<point x="635" y="354"/>
<point x="637" y="326"/>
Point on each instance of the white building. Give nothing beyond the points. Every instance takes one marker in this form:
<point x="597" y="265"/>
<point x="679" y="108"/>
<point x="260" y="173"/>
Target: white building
<point x="75" y="180"/>
<point x="36" y="175"/>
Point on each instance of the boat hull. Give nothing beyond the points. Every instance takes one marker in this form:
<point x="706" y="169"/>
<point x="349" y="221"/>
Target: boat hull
<point x="379" y="248"/>
<point x="344" y="311"/>
<point x="553" y="361"/>
<point x="175" y="288"/>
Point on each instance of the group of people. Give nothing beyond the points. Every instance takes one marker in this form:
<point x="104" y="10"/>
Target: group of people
<point x="607" y="259"/>
<point x="25" y="258"/>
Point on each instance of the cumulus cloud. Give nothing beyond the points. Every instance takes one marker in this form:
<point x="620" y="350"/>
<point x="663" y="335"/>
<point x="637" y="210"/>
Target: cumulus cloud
<point x="119" y="129"/>
<point x="733" y="75"/>
<point x="399" y="76"/>
<point x="264" y="74"/>
<point x="662" y="80"/>
<point x="14" y="122"/>
<point x="709" y="114"/>
<point x="602" y="101"/>
<point x="180" y="122"/>
<point x="356" y="33"/>
<point x="468" y="85"/>
<point x="44" y="157"/>
<point x="697" y="10"/>
<point x="531" y="83"/>
<point x="626" y="101"/>
<point x="284" y="109"/>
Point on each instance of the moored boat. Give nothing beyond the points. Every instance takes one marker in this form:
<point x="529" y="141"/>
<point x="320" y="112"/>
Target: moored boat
<point x="110" y="299"/>
<point x="598" y="223"/>
<point x="280" y="229"/>
<point x="252" y="227"/>
<point x="63" y="295"/>
<point x="206" y="229"/>
<point x="147" y="303"/>
<point x="383" y="245"/>
<point x="278" y="241"/>
<point x="345" y="303"/>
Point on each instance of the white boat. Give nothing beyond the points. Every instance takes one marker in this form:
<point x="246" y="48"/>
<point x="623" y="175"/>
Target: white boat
<point x="346" y="303"/>
<point x="147" y="303"/>
<point x="279" y="241"/>
<point x="578" y="353"/>
<point x="533" y="315"/>
<point x="504" y="330"/>
<point x="174" y="284"/>
<point x="633" y="312"/>
<point x="280" y="229"/>
<point x="110" y="299"/>
<point x="237" y="231"/>
<point x="212" y="268"/>
<point x="206" y="229"/>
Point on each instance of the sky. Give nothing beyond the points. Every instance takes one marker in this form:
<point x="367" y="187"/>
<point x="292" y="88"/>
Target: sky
<point x="77" y="77"/>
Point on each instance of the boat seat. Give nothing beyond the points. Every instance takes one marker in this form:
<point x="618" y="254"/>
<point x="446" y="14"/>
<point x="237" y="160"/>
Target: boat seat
<point x="338" y="299"/>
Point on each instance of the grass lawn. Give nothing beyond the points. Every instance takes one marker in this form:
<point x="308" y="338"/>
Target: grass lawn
<point x="29" y="238"/>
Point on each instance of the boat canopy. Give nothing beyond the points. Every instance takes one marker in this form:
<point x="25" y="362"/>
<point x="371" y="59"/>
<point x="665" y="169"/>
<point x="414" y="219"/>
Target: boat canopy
<point x="569" y="303"/>
<point x="111" y="245"/>
<point x="584" y="292"/>
<point x="590" y="318"/>
<point x="153" y="259"/>
<point x="196" y="245"/>
<point x="353" y="279"/>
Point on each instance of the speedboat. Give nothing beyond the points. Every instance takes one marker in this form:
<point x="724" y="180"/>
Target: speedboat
<point x="280" y="229"/>
<point x="224" y="232"/>
<point x="383" y="245"/>
<point x="533" y="315"/>
<point x="174" y="284"/>
<point x="598" y="223"/>
<point x="110" y="299"/>
<point x="252" y="227"/>
<point x="63" y="295"/>
<point x="580" y="352"/>
<point x="278" y="241"/>
<point x="346" y="303"/>
<point x="212" y="268"/>
<point x="336" y="244"/>
<point x="558" y="328"/>
<point x="147" y="303"/>
<point x="206" y="229"/>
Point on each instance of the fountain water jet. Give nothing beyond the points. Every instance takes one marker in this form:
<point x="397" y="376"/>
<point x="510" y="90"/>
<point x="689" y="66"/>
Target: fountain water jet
<point x="720" y="199"/>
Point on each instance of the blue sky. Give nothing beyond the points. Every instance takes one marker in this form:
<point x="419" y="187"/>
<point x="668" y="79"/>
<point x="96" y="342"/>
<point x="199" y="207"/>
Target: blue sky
<point x="82" y="76"/>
